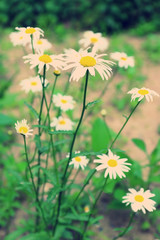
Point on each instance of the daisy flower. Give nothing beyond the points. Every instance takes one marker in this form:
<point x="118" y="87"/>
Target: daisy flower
<point x="41" y="45"/>
<point x="141" y="93"/>
<point x="62" y="124"/>
<point x="123" y="59"/>
<point x="64" y="102"/>
<point x="86" y="209"/>
<point x="40" y="60"/>
<point x="95" y="39"/>
<point x="140" y="200"/>
<point x="113" y="165"/>
<point x="84" y="60"/>
<point x="32" y="84"/>
<point x="35" y="32"/>
<point x="79" y="161"/>
<point x="17" y="38"/>
<point x="57" y="72"/>
<point x="23" y="128"/>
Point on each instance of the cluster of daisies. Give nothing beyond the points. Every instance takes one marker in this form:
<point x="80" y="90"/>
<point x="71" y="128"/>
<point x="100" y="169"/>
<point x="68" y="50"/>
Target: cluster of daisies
<point x="86" y="59"/>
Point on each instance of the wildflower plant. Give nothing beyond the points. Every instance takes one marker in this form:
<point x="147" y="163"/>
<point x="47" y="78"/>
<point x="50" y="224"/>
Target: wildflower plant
<point x="51" y="174"/>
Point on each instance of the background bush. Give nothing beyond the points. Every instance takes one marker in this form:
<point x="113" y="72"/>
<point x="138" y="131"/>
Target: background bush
<point x="100" y="15"/>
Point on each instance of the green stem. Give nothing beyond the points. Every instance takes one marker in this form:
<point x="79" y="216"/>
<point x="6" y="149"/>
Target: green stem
<point x="50" y="103"/>
<point x="39" y="129"/>
<point x="33" y="184"/>
<point x="70" y="153"/>
<point x="67" y="85"/>
<point x="75" y="200"/>
<point x="94" y="205"/>
<point x="109" y="148"/>
<point x="90" y="111"/>
<point x="127" y="119"/>
<point x="32" y="44"/>
<point x="127" y="227"/>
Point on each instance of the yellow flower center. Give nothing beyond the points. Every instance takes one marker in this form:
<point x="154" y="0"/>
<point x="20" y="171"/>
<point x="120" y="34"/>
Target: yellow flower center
<point x="62" y="122"/>
<point x="21" y="37"/>
<point x="86" y="209"/>
<point x="78" y="159"/>
<point x="139" y="198"/>
<point x="64" y="101"/>
<point x="88" y="61"/>
<point x="94" y="40"/>
<point x="124" y="58"/>
<point x="39" y="42"/>
<point x="45" y="58"/>
<point x="112" y="163"/>
<point x="57" y="72"/>
<point x="143" y="91"/>
<point x="33" y="83"/>
<point x="30" y="30"/>
<point x="23" y="130"/>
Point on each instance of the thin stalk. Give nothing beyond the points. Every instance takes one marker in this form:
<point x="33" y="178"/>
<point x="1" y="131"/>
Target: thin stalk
<point x="39" y="129"/>
<point x="50" y="103"/>
<point x="33" y="184"/>
<point x="94" y="205"/>
<point x="127" y="227"/>
<point x="54" y="158"/>
<point x="32" y="44"/>
<point x="70" y="153"/>
<point x="67" y="85"/>
<point x="127" y="119"/>
<point x="75" y="200"/>
<point x="102" y="93"/>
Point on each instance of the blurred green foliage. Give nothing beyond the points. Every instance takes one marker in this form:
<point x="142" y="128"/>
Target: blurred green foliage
<point x="152" y="47"/>
<point x="100" y="15"/>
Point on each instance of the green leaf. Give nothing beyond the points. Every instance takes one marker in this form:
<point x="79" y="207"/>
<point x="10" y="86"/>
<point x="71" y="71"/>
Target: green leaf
<point x="32" y="110"/>
<point x="100" y="135"/>
<point x="5" y="120"/>
<point x="90" y="104"/>
<point x="140" y="144"/>
<point x="36" y="236"/>
<point x="119" y="193"/>
<point x="40" y="126"/>
<point x="145" y="226"/>
<point x="15" y="235"/>
<point x="62" y="132"/>
<point x="155" y="155"/>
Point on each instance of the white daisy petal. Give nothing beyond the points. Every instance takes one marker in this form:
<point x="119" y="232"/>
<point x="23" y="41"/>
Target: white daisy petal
<point x="23" y="128"/>
<point x="83" y="60"/>
<point x="113" y="165"/>
<point x="139" y="200"/>
<point x="141" y="93"/>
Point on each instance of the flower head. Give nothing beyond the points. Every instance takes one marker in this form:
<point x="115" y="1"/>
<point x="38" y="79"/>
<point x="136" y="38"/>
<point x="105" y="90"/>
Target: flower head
<point x="35" y="32"/>
<point x="32" y="84"/>
<point x="79" y="161"/>
<point x="64" y="102"/>
<point x="40" y="60"/>
<point x="140" y="200"/>
<point x="123" y="59"/>
<point x="62" y="124"/>
<point x="41" y="45"/>
<point x="23" y="128"/>
<point x="83" y="60"/>
<point x="86" y="209"/>
<point x="113" y="165"/>
<point x="141" y="93"/>
<point x="17" y="38"/>
<point x="94" y="39"/>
